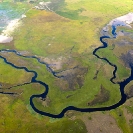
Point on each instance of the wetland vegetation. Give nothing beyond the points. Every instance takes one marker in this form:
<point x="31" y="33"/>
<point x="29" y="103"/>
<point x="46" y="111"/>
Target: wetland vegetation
<point x="64" y="39"/>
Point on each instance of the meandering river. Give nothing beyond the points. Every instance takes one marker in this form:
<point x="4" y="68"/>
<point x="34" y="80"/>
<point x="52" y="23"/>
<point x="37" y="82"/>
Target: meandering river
<point x="43" y="95"/>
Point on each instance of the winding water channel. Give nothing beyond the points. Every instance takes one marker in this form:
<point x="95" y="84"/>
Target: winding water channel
<point x="43" y="95"/>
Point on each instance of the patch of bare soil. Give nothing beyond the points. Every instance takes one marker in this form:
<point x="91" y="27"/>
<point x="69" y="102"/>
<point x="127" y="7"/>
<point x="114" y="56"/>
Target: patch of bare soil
<point x="100" y="123"/>
<point x="71" y="73"/>
<point x="72" y="79"/>
<point x="124" y="42"/>
<point x="45" y="101"/>
<point x="102" y="97"/>
<point x="128" y="58"/>
<point x="4" y="85"/>
<point x="12" y="57"/>
<point x="129" y="91"/>
<point x="55" y="64"/>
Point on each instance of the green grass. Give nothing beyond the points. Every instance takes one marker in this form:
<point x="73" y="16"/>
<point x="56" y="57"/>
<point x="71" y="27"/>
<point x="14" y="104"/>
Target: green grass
<point x="9" y="75"/>
<point x="17" y="118"/>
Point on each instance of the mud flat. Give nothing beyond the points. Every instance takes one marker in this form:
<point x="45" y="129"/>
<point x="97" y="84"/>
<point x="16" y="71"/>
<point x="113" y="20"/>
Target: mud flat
<point x="124" y="20"/>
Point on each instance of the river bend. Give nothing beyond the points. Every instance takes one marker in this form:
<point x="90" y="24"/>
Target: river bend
<point x="43" y="95"/>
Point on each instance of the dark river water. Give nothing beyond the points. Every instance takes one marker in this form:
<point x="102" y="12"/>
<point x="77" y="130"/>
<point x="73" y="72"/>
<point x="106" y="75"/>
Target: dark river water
<point x="43" y="95"/>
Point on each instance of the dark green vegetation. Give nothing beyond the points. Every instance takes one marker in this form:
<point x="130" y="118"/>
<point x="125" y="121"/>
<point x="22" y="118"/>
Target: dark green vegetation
<point x="64" y="39"/>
